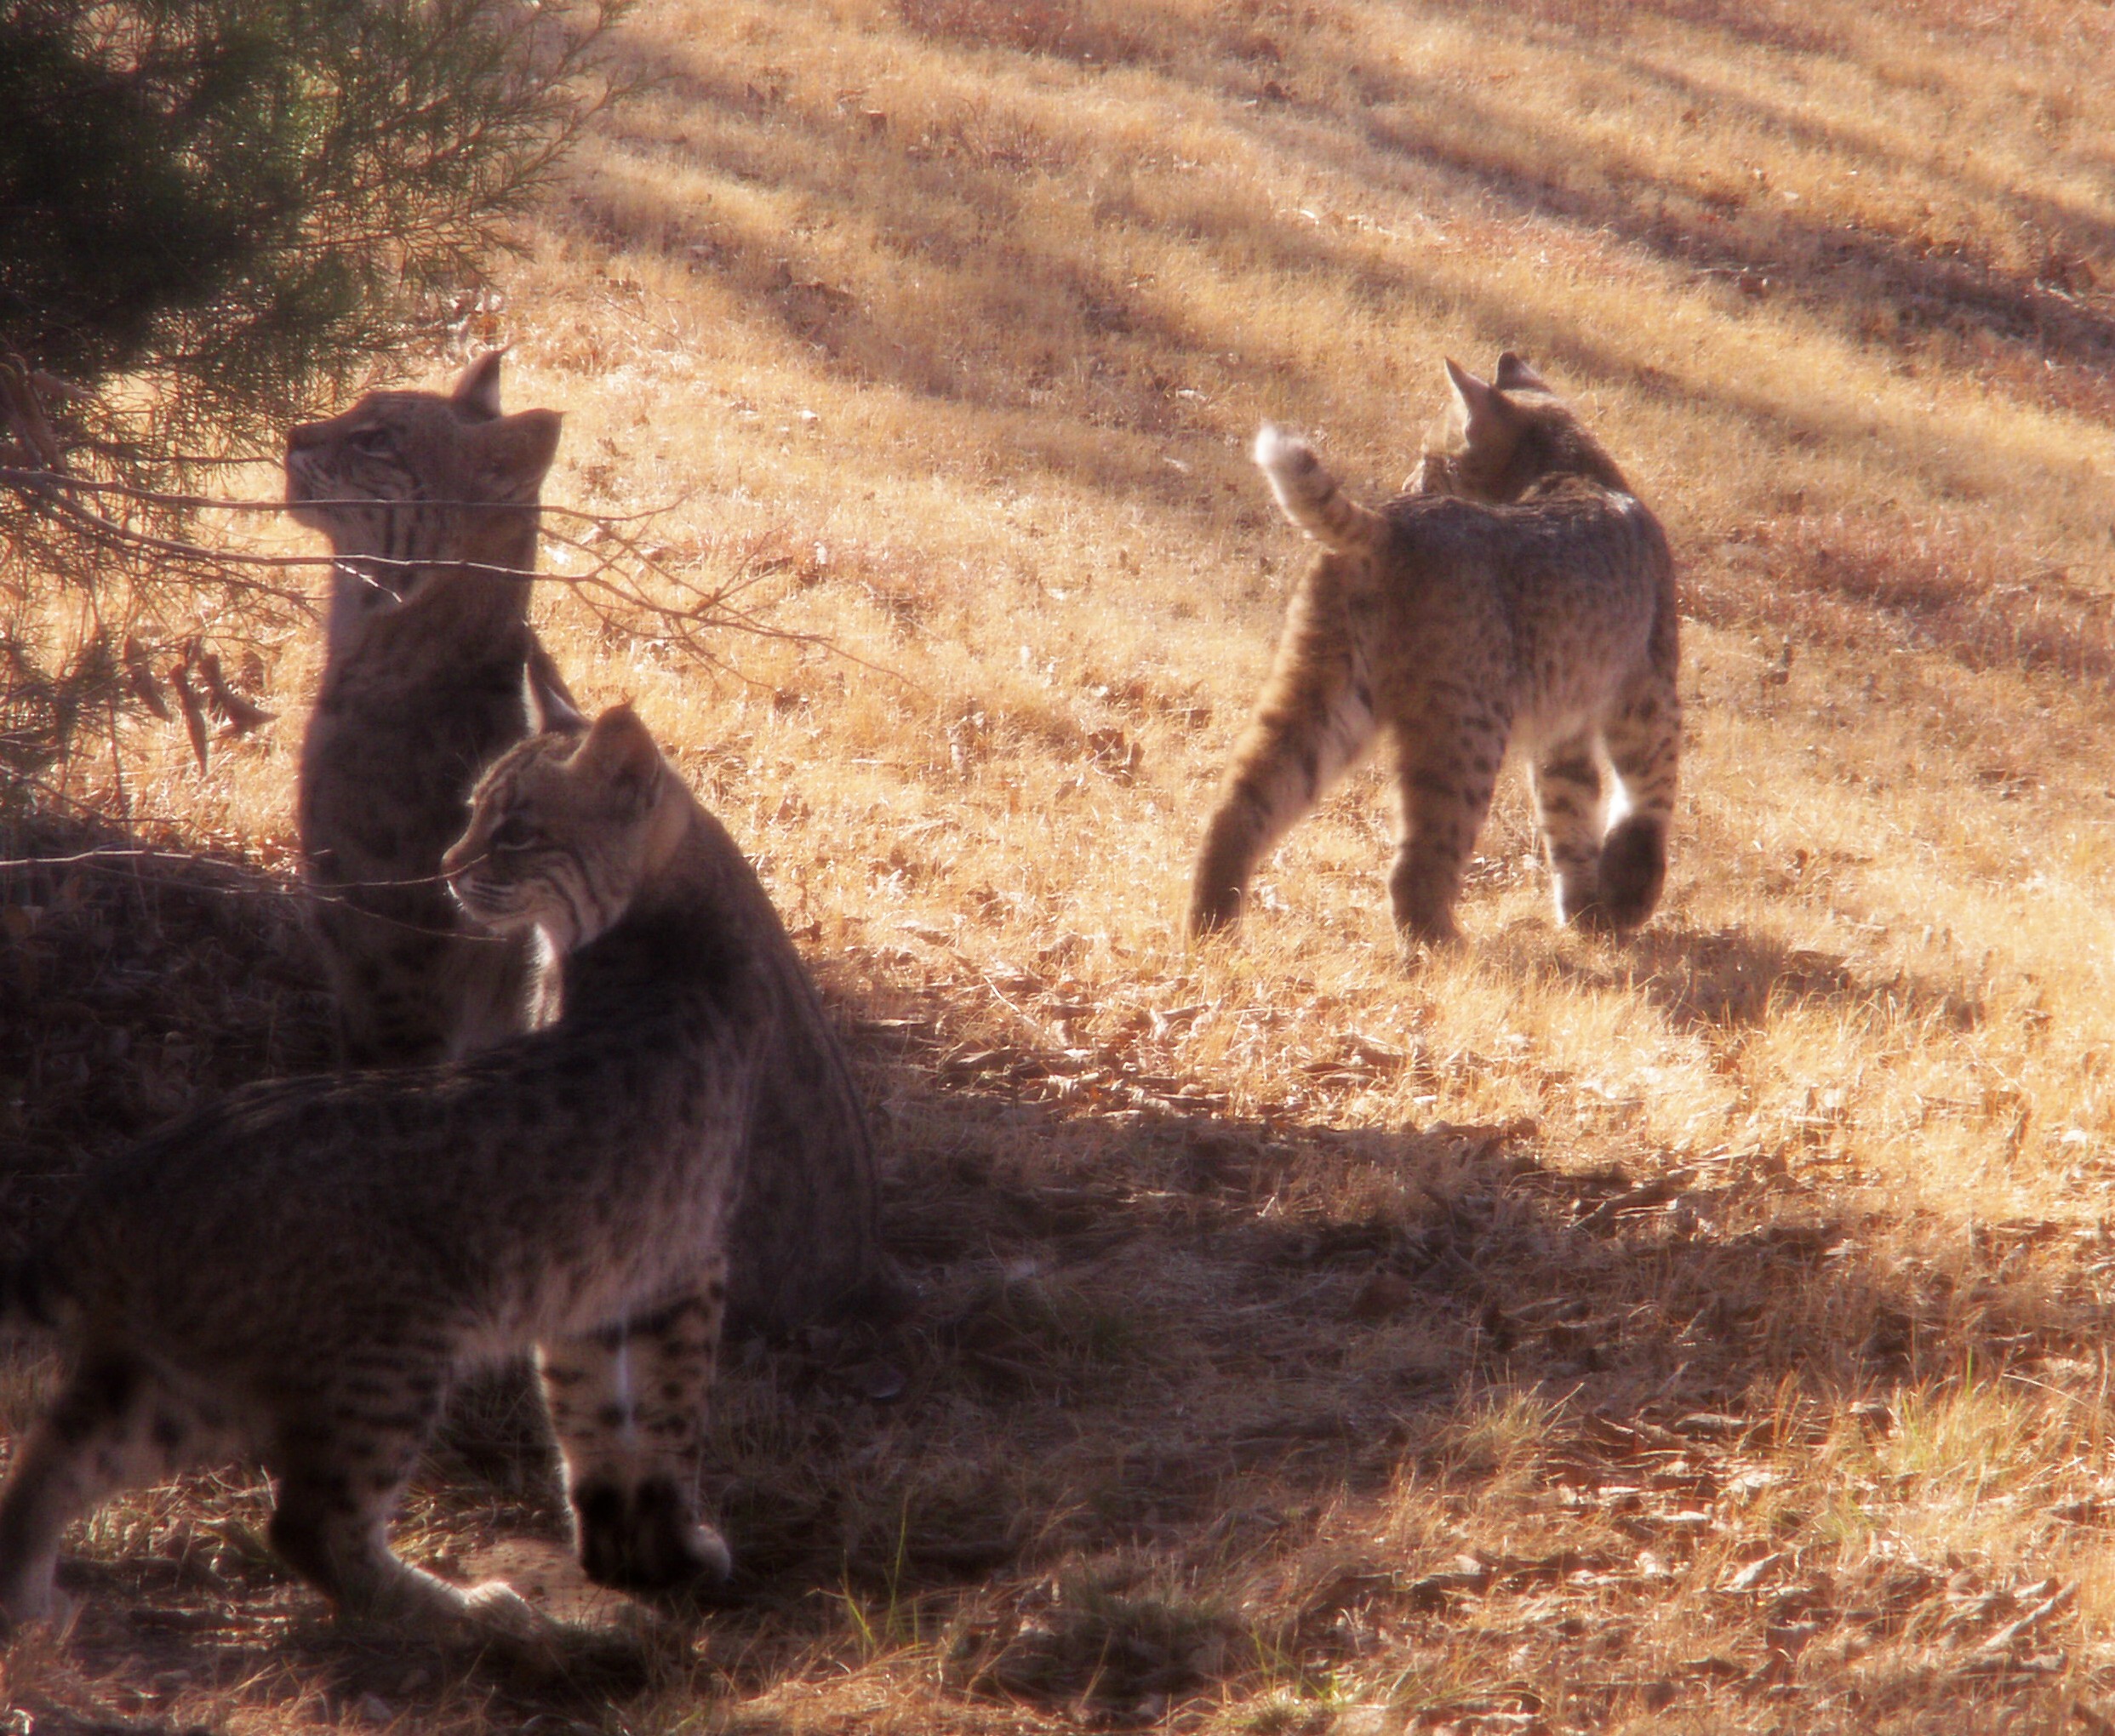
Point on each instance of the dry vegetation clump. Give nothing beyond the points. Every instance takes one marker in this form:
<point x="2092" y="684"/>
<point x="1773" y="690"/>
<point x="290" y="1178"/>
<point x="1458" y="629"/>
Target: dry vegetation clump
<point x="1701" y="1332"/>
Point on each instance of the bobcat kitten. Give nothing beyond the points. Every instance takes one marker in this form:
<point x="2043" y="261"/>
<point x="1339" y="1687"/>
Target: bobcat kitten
<point x="429" y="502"/>
<point x="307" y="1266"/>
<point x="1519" y="589"/>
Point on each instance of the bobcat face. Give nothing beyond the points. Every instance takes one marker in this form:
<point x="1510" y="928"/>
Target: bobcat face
<point x="1497" y="441"/>
<point x="407" y="480"/>
<point x="562" y="832"/>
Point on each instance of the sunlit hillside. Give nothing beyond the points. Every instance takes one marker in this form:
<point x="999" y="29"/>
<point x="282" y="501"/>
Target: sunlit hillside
<point x="1704" y="1331"/>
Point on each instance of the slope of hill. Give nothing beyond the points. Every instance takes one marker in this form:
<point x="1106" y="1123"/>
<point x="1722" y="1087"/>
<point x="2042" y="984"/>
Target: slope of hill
<point x="1701" y="1331"/>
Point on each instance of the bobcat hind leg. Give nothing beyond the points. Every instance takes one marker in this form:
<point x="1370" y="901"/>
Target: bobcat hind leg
<point x="1443" y="785"/>
<point x="1316" y="716"/>
<point x="114" y="1426"/>
<point x="1644" y="745"/>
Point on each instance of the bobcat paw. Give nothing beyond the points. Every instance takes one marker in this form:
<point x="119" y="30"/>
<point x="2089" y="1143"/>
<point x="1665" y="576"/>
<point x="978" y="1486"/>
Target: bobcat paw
<point x="646" y="1537"/>
<point x="1213" y="912"/>
<point x="497" y="1609"/>
<point x="1633" y="871"/>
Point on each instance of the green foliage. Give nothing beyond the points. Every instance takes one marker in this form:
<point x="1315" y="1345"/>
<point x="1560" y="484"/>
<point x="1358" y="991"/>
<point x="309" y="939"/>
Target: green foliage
<point x="233" y="207"/>
<point x="246" y="198"/>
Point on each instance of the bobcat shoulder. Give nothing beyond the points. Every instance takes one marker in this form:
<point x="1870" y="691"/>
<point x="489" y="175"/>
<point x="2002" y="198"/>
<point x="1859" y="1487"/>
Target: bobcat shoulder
<point x="1518" y="591"/>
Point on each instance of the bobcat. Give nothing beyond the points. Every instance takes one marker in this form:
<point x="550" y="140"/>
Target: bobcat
<point x="431" y="672"/>
<point x="1518" y="587"/>
<point x="429" y="502"/>
<point x="310" y="1264"/>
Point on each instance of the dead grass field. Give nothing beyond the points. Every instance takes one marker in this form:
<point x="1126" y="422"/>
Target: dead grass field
<point x="1703" y="1332"/>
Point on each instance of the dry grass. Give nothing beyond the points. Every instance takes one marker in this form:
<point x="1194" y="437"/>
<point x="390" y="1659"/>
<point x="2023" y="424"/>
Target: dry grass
<point x="1705" y="1333"/>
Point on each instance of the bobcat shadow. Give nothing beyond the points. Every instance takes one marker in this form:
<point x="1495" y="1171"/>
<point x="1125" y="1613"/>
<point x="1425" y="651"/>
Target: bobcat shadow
<point x="1158" y="1338"/>
<point x="1735" y="978"/>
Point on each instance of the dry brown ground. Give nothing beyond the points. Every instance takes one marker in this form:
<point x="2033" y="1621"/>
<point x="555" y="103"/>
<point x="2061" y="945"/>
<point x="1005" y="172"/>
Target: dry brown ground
<point x="1702" y="1332"/>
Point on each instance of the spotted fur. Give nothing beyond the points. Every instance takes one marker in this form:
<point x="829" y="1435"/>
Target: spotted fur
<point x="1519" y="592"/>
<point x="430" y="500"/>
<point x="308" y="1266"/>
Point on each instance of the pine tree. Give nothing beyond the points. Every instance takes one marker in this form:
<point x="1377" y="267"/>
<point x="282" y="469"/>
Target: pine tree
<point x="212" y="212"/>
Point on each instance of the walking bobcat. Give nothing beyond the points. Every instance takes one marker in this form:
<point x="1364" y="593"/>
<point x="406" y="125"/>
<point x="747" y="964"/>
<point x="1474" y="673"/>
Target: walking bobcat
<point x="1519" y="589"/>
<point x="309" y="1265"/>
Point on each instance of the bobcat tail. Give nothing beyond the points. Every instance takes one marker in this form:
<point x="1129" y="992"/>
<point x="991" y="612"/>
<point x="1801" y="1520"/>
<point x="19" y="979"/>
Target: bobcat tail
<point x="1309" y="497"/>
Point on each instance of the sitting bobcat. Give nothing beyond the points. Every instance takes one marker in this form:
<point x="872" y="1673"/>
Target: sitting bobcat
<point x="309" y="1265"/>
<point x="432" y="671"/>
<point x="1518" y="588"/>
<point x="429" y="502"/>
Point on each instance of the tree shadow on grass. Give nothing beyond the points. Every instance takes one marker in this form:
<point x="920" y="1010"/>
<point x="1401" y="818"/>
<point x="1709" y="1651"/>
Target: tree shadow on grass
<point x="1160" y="1345"/>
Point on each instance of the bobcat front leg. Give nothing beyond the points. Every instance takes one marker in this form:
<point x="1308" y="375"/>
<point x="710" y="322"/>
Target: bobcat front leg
<point x="340" y="1460"/>
<point x="629" y="1409"/>
<point x="1644" y="743"/>
<point x="1567" y="801"/>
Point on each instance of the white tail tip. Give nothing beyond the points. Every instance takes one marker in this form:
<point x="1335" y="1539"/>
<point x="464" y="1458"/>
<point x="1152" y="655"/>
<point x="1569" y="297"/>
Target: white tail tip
<point x="1275" y="448"/>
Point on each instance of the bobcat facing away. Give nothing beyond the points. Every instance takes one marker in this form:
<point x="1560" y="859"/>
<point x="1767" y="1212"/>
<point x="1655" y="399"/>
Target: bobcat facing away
<point x="429" y="502"/>
<point x="309" y="1265"/>
<point x="1518" y="590"/>
<point x="431" y="672"/>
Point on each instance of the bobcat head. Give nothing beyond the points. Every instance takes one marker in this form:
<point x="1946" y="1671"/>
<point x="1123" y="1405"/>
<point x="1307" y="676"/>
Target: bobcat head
<point x="564" y="830"/>
<point x="1499" y="440"/>
<point x="406" y="484"/>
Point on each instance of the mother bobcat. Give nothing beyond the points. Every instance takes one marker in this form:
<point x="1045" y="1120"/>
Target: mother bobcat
<point x="431" y="671"/>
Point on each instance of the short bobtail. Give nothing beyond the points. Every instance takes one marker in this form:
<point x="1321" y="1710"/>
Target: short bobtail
<point x="1309" y="497"/>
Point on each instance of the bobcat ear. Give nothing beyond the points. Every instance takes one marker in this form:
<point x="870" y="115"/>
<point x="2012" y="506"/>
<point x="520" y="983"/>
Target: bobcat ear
<point x="1478" y="406"/>
<point x="1515" y="376"/>
<point x="478" y="390"/>
<point x="515" y="452"/>
<point x="1470" y="392"/>
<point x="621" y="754"/>
<point x="547" y="699"/>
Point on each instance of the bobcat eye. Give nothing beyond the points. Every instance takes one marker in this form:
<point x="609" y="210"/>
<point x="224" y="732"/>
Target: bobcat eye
<point x="376" y="441"/>
<point x="513" y="833"/>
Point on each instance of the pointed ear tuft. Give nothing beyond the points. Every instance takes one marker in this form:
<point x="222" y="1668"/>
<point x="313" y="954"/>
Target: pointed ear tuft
<point x="1469" y="391"/>
<point x="548" y="700"/>
<point x="1515" y="376"/>
<point x="620" y="753"/>
<point x="478" y="391"/>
